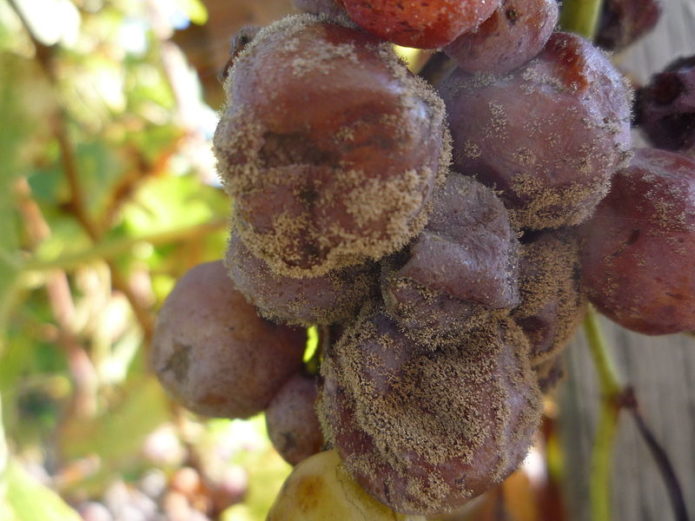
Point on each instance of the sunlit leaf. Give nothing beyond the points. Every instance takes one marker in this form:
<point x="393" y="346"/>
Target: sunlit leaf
<point x="170" y="202"/>
<point x="29" y="500"/>
<point x="116" y="436"/>
<point x="195" y="10"/>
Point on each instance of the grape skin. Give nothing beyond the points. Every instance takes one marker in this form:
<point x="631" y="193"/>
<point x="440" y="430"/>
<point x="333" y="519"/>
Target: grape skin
<point x="459" y="270"/>
<point x="319" y="488"/>
<point x="623" y="22"/>
<point x="213" y="353"/>
<point x="638" y="248"/>
<point x="328" y="8"/>
<point x="515" y="33"/>
<point x="291" y="421"/>
<point x="553" y="300"/>
<point x="548" y="135"/>
<point x="326" y="299"/>
<point x="417" y="23"/>
<point x="424" y="431"/>
<point x="665" y="108"/>
<point x="329" y="147"/>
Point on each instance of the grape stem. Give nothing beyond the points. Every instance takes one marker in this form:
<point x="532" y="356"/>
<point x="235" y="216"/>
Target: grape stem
<point x="581" y="17"/>
<point x="604" y="441"/>
<point x="616" y="397"/>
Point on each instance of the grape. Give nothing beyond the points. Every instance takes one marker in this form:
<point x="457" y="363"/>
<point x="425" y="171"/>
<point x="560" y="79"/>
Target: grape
<point x="552" y="298"/>
<point x="461" y="267"/>
<point x="241" y="39"/>
<point x="319" y="489"/>
<point x="665" y="109"/>
<point x="329" y="147"/>
<point x="325" y="299"/>
<point x="417" y="23"/>
<point x="515" y="33"/>
<point x="293" y="426"/>
<point x="550" y="372"/>
<point x="328" y="8"/>
<point x="639" y="247"/>
<point x="423" y="430"/>
<point x="549" y="135"/>
<point x="213" y="353"/>
<point x="623" y="22"/>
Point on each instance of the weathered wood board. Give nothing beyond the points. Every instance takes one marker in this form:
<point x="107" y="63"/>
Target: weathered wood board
<point x="662" y="369"/>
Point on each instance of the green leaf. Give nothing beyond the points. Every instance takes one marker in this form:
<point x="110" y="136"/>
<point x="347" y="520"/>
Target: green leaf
<point x="117" y="435"/>
<point x="195" y="11"/>
<point x="28" y="500"/>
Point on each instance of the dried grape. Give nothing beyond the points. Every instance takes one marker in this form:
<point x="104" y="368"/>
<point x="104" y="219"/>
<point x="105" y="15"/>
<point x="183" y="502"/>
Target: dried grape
<point x="424" y="431"/>
<point x="548" y="135"/>
<point x="330" y="147"/>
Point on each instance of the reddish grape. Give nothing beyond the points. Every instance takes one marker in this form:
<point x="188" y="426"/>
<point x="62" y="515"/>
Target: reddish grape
<point x="329" y="146"/>
<point x="623" y="22"/>
<point x="515" y="33"/>
<point x="293" y="426"/>
<point x="638" y="259"/>
<point x="552" y="298"/>
<point x="459" y="269"/>
<point x="328" y="298"/>
<point x="419" y="23"/>
<point x="214" y="354"/>
<point x="665" y="109"/>
<point x="424" y="431"/>
<point x="549" y="135"/>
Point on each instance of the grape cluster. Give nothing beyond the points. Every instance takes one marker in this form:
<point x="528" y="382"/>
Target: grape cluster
<point x="445" y="240"/>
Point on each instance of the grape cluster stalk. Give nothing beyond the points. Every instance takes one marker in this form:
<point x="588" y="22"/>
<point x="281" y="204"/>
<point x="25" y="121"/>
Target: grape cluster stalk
<point x="445" y="237"/>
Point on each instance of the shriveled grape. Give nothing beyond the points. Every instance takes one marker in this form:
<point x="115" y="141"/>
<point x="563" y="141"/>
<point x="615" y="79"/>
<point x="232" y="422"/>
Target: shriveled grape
<point x="328" y="298"/>
<point x="552" y="298"/>
<point x="214" y="354"/>
<point x="330" y="147"/>
<point x="328" y="8"/>
<point x="293" y="426"/>
<point x="239" y="42"/>
<point x="422" y="430"/>
<point x="638" y="256"/>
<point x="548" y="135"/>
<point x="665" y="108"/>
<point x="550" y="372"/>
<point x="415" y="23"/>
<point x="515" y="33"/>
<point x="623" y="22"/>
<point x="458" y="270"/>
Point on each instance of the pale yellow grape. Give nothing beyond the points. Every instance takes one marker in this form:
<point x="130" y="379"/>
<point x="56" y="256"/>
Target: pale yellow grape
<point x="320" y="489"/>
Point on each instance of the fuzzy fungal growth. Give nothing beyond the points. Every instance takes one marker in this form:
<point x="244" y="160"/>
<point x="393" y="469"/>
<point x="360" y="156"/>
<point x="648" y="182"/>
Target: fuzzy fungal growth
<point x="458" y="271"/>
<point x="553" y="300"/>
<point x="424" y="431"/>
<point x="548" y="135"/>
<point x="638" y="253"/>
<point x="329" y="147"/>
<point x="333" y="297"/>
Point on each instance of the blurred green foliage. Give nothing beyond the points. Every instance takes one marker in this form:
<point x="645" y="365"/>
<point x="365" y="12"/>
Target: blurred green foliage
<point x="107" y="195"/>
